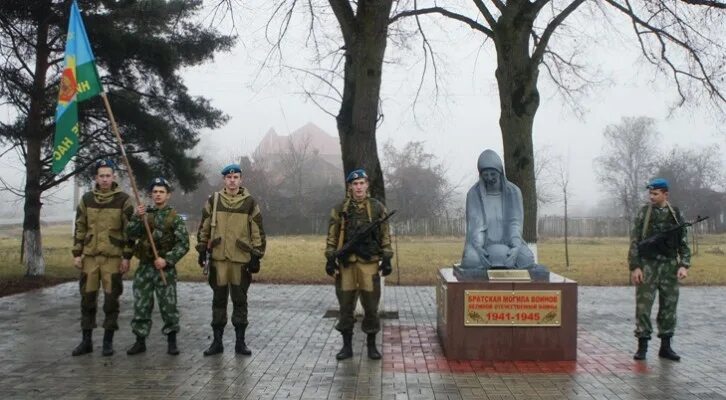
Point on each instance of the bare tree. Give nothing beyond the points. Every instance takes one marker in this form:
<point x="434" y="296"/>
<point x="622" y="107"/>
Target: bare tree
<point x="561" y="179"/>
<point x="293" y="162"/>
<point x="682" y="39"/>
<point x="629" y="159"/>
<point x="416" y="181"/>
<point x="696" y="178"/>
<point x="544" y="162"/>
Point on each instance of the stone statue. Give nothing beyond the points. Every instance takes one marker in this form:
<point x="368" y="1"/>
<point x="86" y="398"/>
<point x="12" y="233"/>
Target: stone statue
<point x="494" y="216"/>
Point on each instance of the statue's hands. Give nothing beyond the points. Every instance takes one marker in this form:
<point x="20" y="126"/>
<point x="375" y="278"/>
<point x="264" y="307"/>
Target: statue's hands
<point x="484" y="259"/>
<point x="512" y="256"/>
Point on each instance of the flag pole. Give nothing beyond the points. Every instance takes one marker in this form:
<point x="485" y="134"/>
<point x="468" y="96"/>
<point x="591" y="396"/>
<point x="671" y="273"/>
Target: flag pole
<point x="132" y="179"/>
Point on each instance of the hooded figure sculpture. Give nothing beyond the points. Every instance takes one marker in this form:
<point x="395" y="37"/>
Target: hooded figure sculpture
<point x="494" y="216"/>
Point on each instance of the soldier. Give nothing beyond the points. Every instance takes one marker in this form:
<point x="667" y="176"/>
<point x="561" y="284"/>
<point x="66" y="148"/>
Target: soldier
<point x="359" y="275"/>
<point x="172" y="242"/>
<point x="657" y="269"/>
<point x="231" y="229"/>
<point x="102" y="252"/>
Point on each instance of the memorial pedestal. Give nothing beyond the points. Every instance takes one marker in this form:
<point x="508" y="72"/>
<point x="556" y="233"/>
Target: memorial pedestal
<point x="507" y="320"/>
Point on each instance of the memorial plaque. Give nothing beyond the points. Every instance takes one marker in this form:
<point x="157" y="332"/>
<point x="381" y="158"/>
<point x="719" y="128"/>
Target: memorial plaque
<point x="519" y="275"/>
<point x="512" y="308"/>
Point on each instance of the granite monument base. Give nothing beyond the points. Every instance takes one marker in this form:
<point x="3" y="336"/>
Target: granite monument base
<point x="500" y="320"/>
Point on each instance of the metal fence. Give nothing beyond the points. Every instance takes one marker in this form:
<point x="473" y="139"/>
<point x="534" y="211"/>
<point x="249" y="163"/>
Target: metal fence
<point x="547" y="226"/>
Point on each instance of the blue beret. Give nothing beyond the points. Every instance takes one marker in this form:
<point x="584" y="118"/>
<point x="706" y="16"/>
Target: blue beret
<point x="231" y="168"/>
<point x="357" y="174"/>
<point x="657" y="183"/>
<point x="105" y="162"/>
<point x="160" y="181"/>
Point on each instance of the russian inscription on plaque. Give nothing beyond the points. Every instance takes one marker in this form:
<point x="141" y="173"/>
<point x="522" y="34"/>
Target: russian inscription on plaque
<point x="512" y="308"/>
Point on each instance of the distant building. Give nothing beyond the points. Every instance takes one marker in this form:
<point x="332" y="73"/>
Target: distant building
<point x="309" y="155"/>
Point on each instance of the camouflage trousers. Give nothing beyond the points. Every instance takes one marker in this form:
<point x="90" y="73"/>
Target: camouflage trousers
<point x="658" y="276"/>
<point x="221" y="293"/>
<point x="99" y="270"/>
<point x="358" y="280"/>
<point x="147" y="281"/>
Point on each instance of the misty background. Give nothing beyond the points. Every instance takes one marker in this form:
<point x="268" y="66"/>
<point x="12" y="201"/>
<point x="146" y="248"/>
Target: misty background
<point x="443" y="121"/>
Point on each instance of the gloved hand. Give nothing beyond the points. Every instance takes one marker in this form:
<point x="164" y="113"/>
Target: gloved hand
<point x="386" y="267"/>
<point x="331" y="266"/>
<point x="202" y="257"/>
<point x="254" y="265"/>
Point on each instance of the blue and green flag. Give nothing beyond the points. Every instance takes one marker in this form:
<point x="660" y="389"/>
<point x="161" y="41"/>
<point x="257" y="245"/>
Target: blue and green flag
<point x="79" y="82"/>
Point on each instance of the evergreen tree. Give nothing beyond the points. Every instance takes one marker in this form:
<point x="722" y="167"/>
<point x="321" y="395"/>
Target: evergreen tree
<point x="140" y="49"/>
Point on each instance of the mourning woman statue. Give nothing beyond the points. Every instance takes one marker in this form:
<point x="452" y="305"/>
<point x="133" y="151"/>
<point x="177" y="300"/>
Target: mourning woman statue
<point x="494" y="216"/>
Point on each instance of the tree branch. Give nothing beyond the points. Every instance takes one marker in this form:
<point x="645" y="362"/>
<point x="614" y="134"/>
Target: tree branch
<point x="346" y="19"/>
<point x="663" y="37"/>
<point x="550" y="29"/>
<point x="707" y="3"/>
<point x="438" y="10"/>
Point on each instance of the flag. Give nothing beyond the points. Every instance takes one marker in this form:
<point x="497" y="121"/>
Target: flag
<point x="79" y="82"/>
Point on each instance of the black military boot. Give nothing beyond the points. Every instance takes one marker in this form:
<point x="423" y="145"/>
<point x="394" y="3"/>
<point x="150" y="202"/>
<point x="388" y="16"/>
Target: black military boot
<point x="107" y="343"/>
<point x="642" y="349"/>
<point x="666" y="351"/>
<point x="216" y="347"/>
<point x="347" y="350"/>
<point x="138" y="347"/>
<point x="171" y="348"/>
<point x="373" y="353"/>
<point x="86" y="345"/>
<point x="240" y="347"/>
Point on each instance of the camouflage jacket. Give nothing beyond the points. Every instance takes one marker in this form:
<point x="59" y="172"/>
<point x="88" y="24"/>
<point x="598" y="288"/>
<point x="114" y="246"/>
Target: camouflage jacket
<point x="168" y="230"/>
<point x="100" y="225"/>
<point x="238" y="233"/>
<point x="348" y="217"/>
<point x="659" y="220"/>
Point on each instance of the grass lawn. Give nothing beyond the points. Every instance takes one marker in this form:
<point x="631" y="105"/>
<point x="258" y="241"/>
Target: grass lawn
<point x="299" y="259"/>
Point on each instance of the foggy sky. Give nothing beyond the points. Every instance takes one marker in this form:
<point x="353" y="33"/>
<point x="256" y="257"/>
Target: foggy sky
<point x="457" y="124"/>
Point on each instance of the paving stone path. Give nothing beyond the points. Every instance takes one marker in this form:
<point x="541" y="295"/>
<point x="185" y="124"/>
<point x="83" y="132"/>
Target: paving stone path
<point x="294" y="348"/>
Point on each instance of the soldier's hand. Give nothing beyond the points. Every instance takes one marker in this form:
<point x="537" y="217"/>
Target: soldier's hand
<point x="254" y="265"/>
<point x="202" y="257"/>
<point x="124" y="267"/>
<point x="637" y="276"/>
<point x="140" y="210"/>
<point x="331" y="266"/>
<point x="386" y="267"/>
<point x="78" y="262"/>
<point x="160" y="263"/>
<point x="682" y="272"/>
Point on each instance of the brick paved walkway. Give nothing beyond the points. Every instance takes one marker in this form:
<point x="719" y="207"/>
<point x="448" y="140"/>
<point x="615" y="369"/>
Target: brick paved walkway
<point x="294" y="347"/>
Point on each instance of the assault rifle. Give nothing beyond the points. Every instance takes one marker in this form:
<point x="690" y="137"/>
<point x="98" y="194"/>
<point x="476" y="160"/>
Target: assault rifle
<point x="658" y="240"/>
<point x="361" y="234"/>
<point x="211" y="243"/>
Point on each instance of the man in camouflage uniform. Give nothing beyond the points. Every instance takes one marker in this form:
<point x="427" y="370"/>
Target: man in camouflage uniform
<point x="231" y="229"/>
<point x="102" y="252"/>
<point x="357" y="274"/>
<point x="658" y="269"/>
<point x="172" y="242"/>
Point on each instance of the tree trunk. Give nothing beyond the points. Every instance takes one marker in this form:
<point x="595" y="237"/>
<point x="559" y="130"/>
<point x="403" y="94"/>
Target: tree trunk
<point x="519" y="100"/>
<point x="34" y="132"/>
<point x="358" y="115"/>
